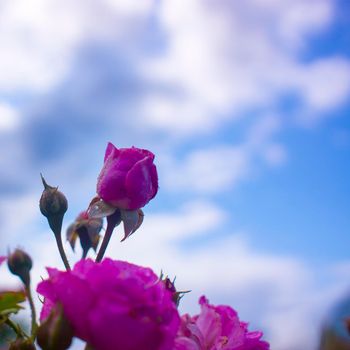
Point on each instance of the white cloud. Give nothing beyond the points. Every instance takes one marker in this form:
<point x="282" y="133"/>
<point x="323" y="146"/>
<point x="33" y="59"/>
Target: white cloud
<point x="223" y="57"/>
<point x="18" y="216"/>
<point x="216" y="58"/>
<point x="36" y="40"/>
<point x="9" y="117"/>
<point x="222" y="166"/>
<point x="208" y="170"/>
<point x="325" y="83"/>
<point x="190" y="221"/>
<point x="39" y="41"/>
<point x="292" y="21"/>
<point x="131" y="7"/>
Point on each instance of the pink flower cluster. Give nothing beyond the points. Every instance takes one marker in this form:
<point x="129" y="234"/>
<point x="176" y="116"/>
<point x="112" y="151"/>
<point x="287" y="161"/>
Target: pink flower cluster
<point x="118" y="305"/>
<point x="113" y="305"/>
<point x="217" y="328"/>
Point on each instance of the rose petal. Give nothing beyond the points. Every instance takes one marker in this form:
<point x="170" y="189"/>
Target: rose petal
<point x="111" y="151"/>
<point x="139" y="184"/>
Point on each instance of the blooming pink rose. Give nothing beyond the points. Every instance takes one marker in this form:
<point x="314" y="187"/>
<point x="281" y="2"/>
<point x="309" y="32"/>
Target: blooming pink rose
<point x="128" y="179"/>
<point x="113" y="305"/>
<point x="217" y="328"/>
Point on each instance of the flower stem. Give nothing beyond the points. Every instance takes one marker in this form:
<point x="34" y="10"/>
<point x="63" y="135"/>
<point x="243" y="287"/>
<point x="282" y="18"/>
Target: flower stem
<point x="105" y="242"/>
<point x="61" y="250"/>
<point x="19" y="332"/>
<point x="112" y="221"/>
<point x="33" y="312"/>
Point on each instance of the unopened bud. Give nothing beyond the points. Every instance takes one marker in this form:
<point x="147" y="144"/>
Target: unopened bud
<point x="53" y="204"/>
<point x="55" y="333"/>
<point x="20" y="264"/>
<point x="22" y="344"/>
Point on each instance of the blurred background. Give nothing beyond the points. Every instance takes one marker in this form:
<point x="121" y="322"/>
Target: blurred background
<point x="246" y="106"/>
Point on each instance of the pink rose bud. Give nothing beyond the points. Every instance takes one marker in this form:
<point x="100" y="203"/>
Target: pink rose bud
<point x="128" y="179"/>
<point x="20" y="264"/>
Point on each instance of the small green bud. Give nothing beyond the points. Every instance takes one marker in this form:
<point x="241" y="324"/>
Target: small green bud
<point x="20" y="264"/>
<point x="22" y="344"/>
<point x="55" y="333"/>
<point x="53" y="205"/>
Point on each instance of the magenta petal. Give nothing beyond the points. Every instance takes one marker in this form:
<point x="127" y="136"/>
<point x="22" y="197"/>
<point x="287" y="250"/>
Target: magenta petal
<point x="209" y="324"/>
<point x="154" y="178"/>
<point x="2" y="259"/>
<point x="76" y="298"/>
<point x="111" y="151"/>
<point x="122" y="320"/>
<point x="46" y="309"/>
<point x="46" y="288"/>
<point x="111" y="185"/>
<point x="183" y="343"/>
<point x="53" y="272"/>
<point x="139" y="184"/>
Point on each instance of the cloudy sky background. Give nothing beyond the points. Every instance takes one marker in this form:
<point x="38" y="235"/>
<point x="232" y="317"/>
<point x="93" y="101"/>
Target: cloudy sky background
<point x="246" y="106"/>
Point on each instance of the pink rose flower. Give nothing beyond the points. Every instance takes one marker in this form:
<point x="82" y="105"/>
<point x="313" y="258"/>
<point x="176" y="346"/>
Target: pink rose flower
<point x="113" y="305"/>
<point x="128" y="179"/>
<point x="217" y="328"/>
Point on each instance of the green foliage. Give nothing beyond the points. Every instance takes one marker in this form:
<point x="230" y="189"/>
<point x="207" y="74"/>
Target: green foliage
<point x="9" y="304"/>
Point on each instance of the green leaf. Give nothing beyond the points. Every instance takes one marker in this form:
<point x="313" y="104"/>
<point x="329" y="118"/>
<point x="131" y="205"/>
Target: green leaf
<point x="9" y="303"/>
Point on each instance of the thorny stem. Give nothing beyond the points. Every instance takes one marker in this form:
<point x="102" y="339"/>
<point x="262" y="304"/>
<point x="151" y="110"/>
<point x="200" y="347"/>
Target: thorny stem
<point x="61" y="250"/>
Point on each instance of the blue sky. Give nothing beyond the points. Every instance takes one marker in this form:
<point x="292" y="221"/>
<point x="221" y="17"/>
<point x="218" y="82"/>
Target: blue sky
<point x="246" y="106"/>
